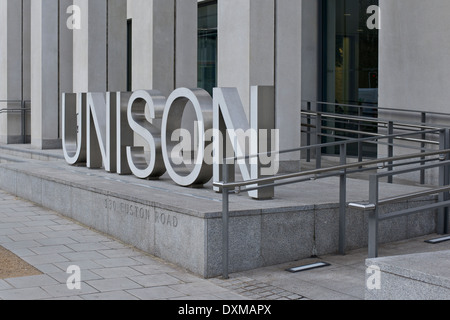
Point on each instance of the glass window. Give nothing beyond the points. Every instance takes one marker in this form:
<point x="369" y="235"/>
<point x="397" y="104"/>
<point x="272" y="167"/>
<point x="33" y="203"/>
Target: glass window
<point x="207" y="45"/>
<point x="350" y="60"/>
<point x="129" y="55"/>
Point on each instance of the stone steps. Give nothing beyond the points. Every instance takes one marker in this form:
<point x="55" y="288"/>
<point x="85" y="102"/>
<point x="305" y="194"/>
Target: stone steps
<point x="18" y="153"/>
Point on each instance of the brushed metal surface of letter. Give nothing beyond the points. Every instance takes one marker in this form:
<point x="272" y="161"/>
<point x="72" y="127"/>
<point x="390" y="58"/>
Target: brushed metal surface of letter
<point x="124" y="133"/>
<point x="230" y="119"/>
<point x="142" y="103"/>
<point x="199" y="172"/>
<point x="100" y="133"/>
<point x="74" y="132"/>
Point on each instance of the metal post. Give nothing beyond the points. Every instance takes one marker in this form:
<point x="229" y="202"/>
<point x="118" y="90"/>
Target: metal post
<point x="444" y="180"/>
<point x="422" y="145"/>
<point x="24" y="119"/>
<point x="441" y="228"/>
<point x="390" y="148"/>
<point x="225" y="223"/>
<point x="308" y="134"/>
<point x="360" y="144"/>
<point x="373" y="218"/>
<point x="447" y="181"/>
<point x="343" y="201"/>
<point x="319" y="141"/>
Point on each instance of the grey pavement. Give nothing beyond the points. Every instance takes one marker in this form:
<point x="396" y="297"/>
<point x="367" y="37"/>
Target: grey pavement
<point x="111" y="270"/>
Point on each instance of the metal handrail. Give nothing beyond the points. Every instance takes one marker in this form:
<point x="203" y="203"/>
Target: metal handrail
<point x="376" y="107"/>
<point x="7" y="110"/>
<point x="375" y="218"/>
<point x="347" y="127"/>
<point x="330" y="144"/>
<point x="265" y="181"/>
<point x="366" y="119"/>
<point x="341" y="171"/>
<point x="23" y="111"/>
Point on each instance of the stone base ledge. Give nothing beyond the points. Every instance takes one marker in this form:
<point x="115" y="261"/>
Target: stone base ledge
<point x="424" y="276"/>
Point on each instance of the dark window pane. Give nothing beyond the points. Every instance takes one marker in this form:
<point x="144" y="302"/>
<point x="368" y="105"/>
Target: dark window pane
<point x="350" y="59"/>
<point x="207" y="45"/>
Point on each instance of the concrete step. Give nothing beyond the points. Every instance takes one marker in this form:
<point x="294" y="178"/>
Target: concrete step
<point x="421" y="276"/>
<point x="20" y="153"/>
<point x="10" y="159"/>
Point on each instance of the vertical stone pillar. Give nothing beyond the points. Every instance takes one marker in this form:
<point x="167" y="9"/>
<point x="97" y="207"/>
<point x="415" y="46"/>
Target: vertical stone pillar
<point x="246" y="54"/>
<point x="44" y="74"/>
<point x="14" y="69"/>
<point x="186" y="57"/>
<point x="153" y="44"/>
<point x="100" y="46"/>
<point x="26" y="69"/>
<point x="186" y="43"/>
<point x="289" y="57"/>
<point x="89" y="47"/>
<point x="117" y="45"/>
<point x="260" y="43"/>
<point x="65" y="49"/>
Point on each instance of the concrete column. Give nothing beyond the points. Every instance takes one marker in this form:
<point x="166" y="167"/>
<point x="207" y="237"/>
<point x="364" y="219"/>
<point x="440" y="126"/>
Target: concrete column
<point x="186" y="57"/>
<point x="117" y="45"/>
<point x="44" y="74"/>
<point x="246" y="54"/>
<point x="153" y="44"/>
<point x="164" y="46"/>
<point x="65" y="49"/>
<point x="414" y="46"/>
<point x="186" y="43"/>
<point x="290" y="51"/>
<point x="309" y="49"/>
<point x="414" y="65"/>
<point x="14" y="68"/>
<point x="100" y="46"/>
<point x="51" y="69"/>
<point x="260" y="43"/>
<point x="89" y="47"/>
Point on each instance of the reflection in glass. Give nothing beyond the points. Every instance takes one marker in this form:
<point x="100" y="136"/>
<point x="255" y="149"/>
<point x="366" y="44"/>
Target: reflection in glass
<point x="207" y="45"/>
<point x="350" y="59"/>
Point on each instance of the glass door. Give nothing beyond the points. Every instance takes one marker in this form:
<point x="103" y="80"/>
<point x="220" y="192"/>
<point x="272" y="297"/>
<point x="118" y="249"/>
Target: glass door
<point x="350" y="60"/>
<point x="207" y="45"/>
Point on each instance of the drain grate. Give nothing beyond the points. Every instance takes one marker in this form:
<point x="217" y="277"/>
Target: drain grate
<point x="438" y="240"/>
<point x="308" y="267"/>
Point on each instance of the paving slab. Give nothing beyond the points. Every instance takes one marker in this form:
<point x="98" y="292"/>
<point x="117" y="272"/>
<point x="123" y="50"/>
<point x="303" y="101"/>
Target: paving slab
<point x="420" y="276"/>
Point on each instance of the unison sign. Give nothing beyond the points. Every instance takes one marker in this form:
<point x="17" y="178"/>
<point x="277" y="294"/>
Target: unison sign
<point x="101" y="130"/>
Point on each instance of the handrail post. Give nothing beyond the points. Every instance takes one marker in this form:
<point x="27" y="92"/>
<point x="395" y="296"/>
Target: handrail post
<point x="373" y="218"/>
<point x="308" y="134"/>
<point x="319" y="138"/>
<point x="225" y="222"/>
<point x="423" y="146"/>
<point x="23" y="122"/>
<point x="360" y="144"/>
<point x="390" y="148"/>
<point x="343" y="201"/>
<point x="442" y="220"/>
<point x="447" y="181"/>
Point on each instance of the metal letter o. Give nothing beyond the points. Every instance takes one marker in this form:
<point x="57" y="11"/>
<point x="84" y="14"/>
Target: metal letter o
<point x="201" y="172"/>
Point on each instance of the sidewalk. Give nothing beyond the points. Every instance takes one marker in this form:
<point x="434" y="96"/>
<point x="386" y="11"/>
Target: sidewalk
<point x="111" y="270"/>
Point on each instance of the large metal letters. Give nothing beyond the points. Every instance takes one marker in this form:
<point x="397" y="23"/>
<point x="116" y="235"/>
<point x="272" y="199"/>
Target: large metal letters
<point x="102" y="130"/>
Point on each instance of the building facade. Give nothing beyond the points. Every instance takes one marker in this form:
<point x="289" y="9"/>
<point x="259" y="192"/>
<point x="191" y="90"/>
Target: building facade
<point x="385" y="53"/>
